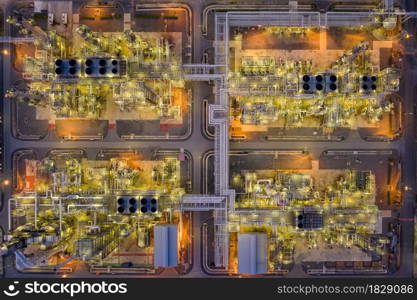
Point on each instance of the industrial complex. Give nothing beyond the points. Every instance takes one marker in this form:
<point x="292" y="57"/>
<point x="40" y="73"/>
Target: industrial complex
<point x="204" y="139"/>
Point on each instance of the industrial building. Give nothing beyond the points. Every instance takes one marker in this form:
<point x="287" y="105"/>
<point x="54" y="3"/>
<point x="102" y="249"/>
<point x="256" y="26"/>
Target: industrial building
<point x="166" y="245"/>
<point x="252" y="253"/>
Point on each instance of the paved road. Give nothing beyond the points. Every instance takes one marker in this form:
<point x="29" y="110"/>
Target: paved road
<point x="197" y="145"/>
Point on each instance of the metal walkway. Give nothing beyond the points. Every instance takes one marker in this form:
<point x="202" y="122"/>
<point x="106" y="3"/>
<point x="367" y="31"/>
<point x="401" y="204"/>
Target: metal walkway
<point x="9" y="39"/>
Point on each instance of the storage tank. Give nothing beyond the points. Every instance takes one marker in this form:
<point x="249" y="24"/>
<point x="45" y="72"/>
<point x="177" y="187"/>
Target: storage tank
<point x="166" y="245"/>
<point x="252" y="253"/>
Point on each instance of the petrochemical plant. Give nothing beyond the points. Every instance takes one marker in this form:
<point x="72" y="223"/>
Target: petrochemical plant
<point x="229" y="140"/>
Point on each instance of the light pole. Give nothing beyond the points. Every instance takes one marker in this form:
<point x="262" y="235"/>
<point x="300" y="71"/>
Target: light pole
<point x="60" y="217"/>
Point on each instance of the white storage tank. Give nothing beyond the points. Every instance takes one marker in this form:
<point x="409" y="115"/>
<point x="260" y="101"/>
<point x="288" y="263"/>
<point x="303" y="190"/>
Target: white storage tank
<point x="252" y="253"/>
<point x="166" y="245"/>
